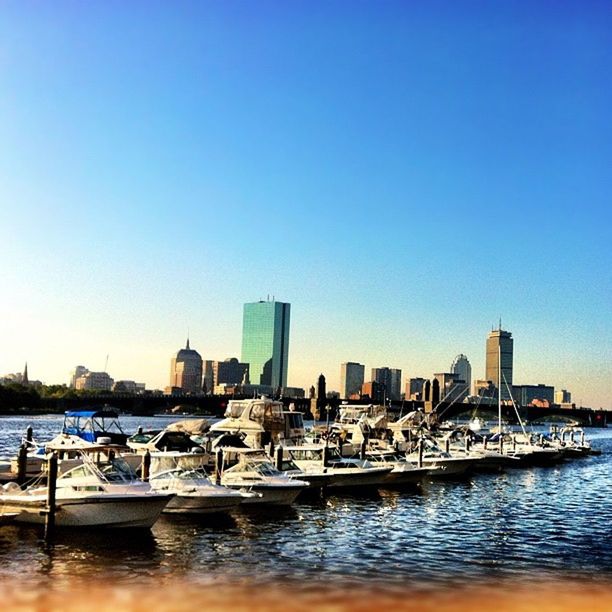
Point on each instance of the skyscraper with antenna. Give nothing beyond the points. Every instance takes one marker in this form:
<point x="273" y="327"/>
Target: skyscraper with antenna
<point x="500" y="347"/>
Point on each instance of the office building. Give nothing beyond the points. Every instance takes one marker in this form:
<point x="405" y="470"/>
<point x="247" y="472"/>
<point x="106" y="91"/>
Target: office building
<point x="265" y="342"/>
<point x="463" y="370"/>
<point x="373" y="390"/>
<point x="500" y="345"/>
<point x="527" y="394"/>
<point x="76" y="374"/>
<point x="452" y="388"/>
<point x="391" y="381"/>
<point x="186" y="371"/>
<point x="414" y="388"/>
<point x="94" y="381"/>
<point x="351" y="379"/>
<point x="563" y="397"/>
<point x="230" y="372"/>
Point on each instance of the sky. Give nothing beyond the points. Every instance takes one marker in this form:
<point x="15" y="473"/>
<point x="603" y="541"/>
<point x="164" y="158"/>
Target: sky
<point x="404" y="173"/>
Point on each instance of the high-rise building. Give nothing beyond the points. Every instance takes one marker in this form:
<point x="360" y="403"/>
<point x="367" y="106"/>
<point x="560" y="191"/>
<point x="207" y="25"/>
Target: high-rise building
<point x="76" y="374"/>
<point x="265" y="342"/>
<point x="351" y="379"/>
<point x="462" y="368"/>
<point x="230" y="372"/>
<point x="526" y="394"/>
<point x="452" y="388"/>
<point x="500" y="345"/>
<point x="414" y="388"/>
<point x="186" y="371"/>
<point x="391" y="381"/>
<point x="563" y="396"/>
<point x="94" y="381"/>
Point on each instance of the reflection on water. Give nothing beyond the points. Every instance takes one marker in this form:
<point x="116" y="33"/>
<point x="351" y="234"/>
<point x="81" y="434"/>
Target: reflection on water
<point x="528" y="524"/>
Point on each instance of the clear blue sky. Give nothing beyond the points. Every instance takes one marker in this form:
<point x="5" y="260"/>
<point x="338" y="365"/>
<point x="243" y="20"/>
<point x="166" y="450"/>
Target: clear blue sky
<point x="402" y="173"/>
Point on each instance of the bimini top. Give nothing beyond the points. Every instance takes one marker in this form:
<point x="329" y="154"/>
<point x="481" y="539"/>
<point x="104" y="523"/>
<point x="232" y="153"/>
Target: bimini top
<point x="105" y="413"/>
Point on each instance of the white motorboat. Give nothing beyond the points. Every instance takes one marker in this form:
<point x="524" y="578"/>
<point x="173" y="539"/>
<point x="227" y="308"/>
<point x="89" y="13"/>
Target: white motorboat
<point x="403" y="472"/>
<point x="184" y="475"/>
<point x="254" y="473"/>
<point x="89" y="496"/>
<point x="336" y="471"/>
<point x="432" y="456"/>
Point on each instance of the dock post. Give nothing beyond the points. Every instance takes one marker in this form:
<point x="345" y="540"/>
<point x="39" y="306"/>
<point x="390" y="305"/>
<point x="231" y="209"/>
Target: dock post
<point x="501" y="444"/>
<point x="218" y="465"/>
<point x="447" y="445"/>
<point x="326" y="455"/>
<point x="420" y="447"/>
<point x="139" y="430"/>
<point x="29" y="433"/>
<point x="362" y="449"/>
<point x="514" y="443"/>
<point x="468" y="444"/>
<point x="22" y="460"/>
<point x="572" y="437"/>
<point x="51" y="489"/>
<point x="484" y="442"/>
<point x="582" y="438"/>
<point x="146" y="466"/>
<point x="279" y="458"/>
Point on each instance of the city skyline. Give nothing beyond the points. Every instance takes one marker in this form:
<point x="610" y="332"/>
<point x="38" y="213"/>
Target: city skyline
<point x="402" y="174"/>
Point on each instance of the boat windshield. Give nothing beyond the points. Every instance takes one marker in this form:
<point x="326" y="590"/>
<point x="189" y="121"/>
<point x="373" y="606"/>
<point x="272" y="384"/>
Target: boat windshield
<point x="307" y="454"/>
<point x="118" y="470"/>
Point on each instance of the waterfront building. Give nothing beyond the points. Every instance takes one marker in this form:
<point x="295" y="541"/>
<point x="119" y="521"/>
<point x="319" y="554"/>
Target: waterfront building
<point x="391" y="381"/>
<point x="77" y="373"/>
<point x="351" y="379"/>
<point x="186" y="371"/>
<point x="528" y="394"/>
<point x="500" y="343"/>
<point x="563" y="396"/>
<point x="452" y="388"/>
<point x="462" y="368"/>
<point x="414" y="388"/>
<point x="94" y="381"/>
<point x="128" y="386"/>
<point x="230" y="372"/>
<point x="373" y="390"/>
<point x="208" y="377"/>
<point x="265" y="342"/>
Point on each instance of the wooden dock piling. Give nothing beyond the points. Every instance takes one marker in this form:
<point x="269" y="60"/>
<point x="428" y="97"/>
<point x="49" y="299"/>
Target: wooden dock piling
<point x="51" y="492"/>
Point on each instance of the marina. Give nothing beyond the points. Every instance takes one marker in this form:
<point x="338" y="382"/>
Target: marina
<point x="528" y="525"/>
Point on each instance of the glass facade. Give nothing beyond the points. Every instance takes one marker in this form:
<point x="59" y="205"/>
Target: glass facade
<point x="265" y="342"/>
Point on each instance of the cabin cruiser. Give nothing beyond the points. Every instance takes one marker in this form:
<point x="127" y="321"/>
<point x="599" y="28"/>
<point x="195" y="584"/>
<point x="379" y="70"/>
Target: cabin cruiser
<point x="253" y="472"/>
<point x="426" y="453"/>
<point x="326" y="464"/>
<point x="261" y="421"/>
<point x="107" y="495"/>
<point x="524" y="447"/>
<point x="403" y="472"/>
<point x="184" y="475"/>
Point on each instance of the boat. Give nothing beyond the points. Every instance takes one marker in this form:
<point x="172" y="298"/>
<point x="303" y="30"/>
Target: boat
<point x="90" y="425"/>
<point x="261" y="421"/>
<point x="194" y="493"/>
<point x="327" y="466"/>
<point x="107" y="495"/>
<point x="403" y="472"/>
<point x="253" y="472"/>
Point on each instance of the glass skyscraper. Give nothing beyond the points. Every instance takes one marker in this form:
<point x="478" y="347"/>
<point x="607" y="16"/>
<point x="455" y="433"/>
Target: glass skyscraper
<point x="265" y="342"/>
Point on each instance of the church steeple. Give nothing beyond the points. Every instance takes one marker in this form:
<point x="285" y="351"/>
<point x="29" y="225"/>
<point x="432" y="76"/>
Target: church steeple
<point x="24" y="378"/>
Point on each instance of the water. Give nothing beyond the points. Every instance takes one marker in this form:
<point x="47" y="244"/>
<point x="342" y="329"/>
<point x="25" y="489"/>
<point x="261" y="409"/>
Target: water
<point x="531" y="524"/>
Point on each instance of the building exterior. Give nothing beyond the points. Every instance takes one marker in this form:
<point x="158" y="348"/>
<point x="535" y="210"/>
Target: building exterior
<point x="462" y="368"/>
<point x="94" y="381"/>
<point x="351" y="379"/>
<point x="500" y="345"/>
<point x="562" y="396"/>
<point x="527" y="394"/>
<point x="77" y="373"/>
<point x="265" y="342"/>
<point x="208" y="377"/>
<point x="414" y="388"/>
<point x="230" y="372"/>
<point x="128" y="386"/>
<point x="391" y="381"/>
<point x="186" y="371"/>
<point x="452" y="388"/>
<point x="374" y="390"/>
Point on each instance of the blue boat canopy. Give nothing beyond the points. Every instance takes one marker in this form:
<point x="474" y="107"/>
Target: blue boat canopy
<point x="91" y="413"/>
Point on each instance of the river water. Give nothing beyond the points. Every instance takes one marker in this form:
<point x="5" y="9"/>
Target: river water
<point x="530" y="524"/>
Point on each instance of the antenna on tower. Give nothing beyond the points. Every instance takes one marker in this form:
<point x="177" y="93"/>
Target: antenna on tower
<point x="499" y="323"/>
<point x="106" y="363"/>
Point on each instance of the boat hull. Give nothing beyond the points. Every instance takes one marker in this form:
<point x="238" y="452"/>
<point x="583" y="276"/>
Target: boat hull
<point x="94" y="511"/>
<point x="202" y="504"/>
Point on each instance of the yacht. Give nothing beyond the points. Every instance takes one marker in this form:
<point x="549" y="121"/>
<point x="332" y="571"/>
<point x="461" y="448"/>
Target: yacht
<point x="108" y="495"/>
<point x="432" y="455"/>
<point x="403" y="472"/>
<point x="184" y="474"/>
<point x="253" y="472"/>
<point x="327" y="465"/>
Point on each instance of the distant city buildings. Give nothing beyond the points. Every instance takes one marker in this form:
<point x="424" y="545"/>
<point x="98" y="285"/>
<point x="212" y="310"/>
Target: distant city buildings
<point x="391" y="381"/>
<point x="186" y="372"/>
<point x="528" y="394"/>
<point x="562" y="396"/>
<point x="500" y="346"/>
<point x="351" y="379"/>
<point x="230" y="372"/>
<point x="265" y="342"/>
<point x="414" y="388"/>
<point x="374" y="391"/>
<point x="463" y="371"/>
<point x="94" y="381"/>
<point x="128" y="386"/>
